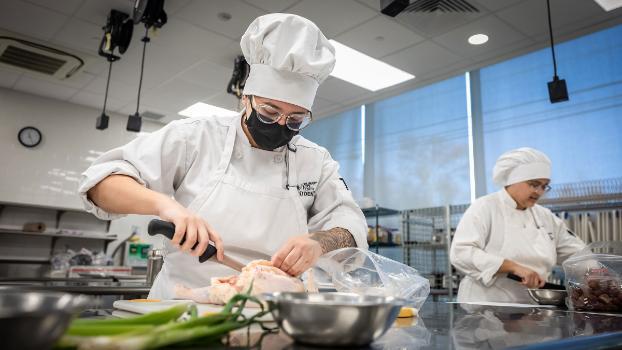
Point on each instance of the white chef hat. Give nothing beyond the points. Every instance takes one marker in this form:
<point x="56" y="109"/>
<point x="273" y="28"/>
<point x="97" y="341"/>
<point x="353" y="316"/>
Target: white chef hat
<point x="519" y="165"/>
<point x="289" y="58"/>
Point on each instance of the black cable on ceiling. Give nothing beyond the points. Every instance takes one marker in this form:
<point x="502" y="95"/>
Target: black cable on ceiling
<point x="548" y="11"/>
<point x="145" y="40"/>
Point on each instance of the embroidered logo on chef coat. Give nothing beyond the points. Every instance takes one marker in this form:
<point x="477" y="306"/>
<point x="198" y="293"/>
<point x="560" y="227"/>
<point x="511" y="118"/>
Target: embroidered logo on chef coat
<point x="307" y="189"/>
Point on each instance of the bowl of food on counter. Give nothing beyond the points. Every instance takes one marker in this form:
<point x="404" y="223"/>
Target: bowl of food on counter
<point x="335" y="319"/>
<point x="555" y="297"/>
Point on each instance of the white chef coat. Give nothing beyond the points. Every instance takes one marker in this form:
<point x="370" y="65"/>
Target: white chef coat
<point x="493" y="229"/>
<point x="255" y="199"/>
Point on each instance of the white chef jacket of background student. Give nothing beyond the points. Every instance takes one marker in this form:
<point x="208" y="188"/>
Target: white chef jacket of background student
<point x="182" y="160"/>
<point x="493" y="229"/>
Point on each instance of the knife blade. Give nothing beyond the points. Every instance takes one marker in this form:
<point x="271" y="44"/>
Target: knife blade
<point x="167" y="229"/>
<point x="547" y="285"/>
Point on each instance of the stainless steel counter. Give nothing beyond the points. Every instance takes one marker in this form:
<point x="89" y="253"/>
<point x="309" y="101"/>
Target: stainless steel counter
<point x="81" y="286"/>
<point x="459" y="326"/>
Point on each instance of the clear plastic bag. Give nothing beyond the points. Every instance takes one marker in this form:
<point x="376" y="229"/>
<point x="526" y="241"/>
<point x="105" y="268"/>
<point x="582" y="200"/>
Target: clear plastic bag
<point x="60" y="261"/>
<point x="359" y="271"/>
<point x="415" y="336"/>
<point x="594" y="277"/>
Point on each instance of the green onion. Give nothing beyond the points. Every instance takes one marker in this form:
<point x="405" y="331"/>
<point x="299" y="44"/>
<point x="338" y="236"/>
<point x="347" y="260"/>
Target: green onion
<point x="178" y="325"/>
<point x="109" y="329"/>
<point x="153" y="318"/>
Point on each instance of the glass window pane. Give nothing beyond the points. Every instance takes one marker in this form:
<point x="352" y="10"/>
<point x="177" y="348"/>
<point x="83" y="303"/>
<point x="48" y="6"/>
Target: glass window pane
<point x="421" y="155"/>
<point x="583" y="136"/>
<point x="341" y="135"/>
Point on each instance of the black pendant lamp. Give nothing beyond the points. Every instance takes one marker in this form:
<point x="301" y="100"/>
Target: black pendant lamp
<point x="134" y="121"/>
<point x="557" y="88"/>
<point x="152" y="14"/>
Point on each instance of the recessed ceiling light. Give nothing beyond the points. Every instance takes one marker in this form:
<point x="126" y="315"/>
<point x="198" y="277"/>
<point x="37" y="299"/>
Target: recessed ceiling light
<point x="367" y="72"/>
<point x="478" y="39"/>
<point x="609" y="5"/>
<point x="201" y="109"/>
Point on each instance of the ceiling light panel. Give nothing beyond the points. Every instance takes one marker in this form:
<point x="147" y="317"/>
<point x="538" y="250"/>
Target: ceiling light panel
<point x="362" y="70"/>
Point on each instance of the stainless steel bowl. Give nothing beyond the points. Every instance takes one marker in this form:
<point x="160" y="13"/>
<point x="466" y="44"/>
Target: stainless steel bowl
<point x="335" y="319"/>
<point x="35" y="320"/>
<point x="548" y="296"/>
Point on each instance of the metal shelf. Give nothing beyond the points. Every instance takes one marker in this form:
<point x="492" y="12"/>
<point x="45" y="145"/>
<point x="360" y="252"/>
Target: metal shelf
<point x="428" y="231"/>
<point x="58" y="234"/>
<point x="437" y="245"/>
<point x="376" y="212"/>
<point x="584" y="196"/>
<point x="442" y="291"/>
<point x="574" y="206"/>
<point x="379" y="211"/>
<point x="60" y="211"/>
<point x="91" y="288"/>
<point x="420" y="222"/>
<point x="383" y="244"/>
<point x="25" y="260"/>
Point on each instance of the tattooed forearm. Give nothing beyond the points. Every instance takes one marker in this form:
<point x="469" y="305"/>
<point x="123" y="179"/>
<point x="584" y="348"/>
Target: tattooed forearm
<point x="333" y="239"/>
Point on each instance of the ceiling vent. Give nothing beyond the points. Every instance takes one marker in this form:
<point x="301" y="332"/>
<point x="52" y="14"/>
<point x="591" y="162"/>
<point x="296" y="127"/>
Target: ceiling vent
<point x="28" y="56"/>
<point x="441" y="6"/>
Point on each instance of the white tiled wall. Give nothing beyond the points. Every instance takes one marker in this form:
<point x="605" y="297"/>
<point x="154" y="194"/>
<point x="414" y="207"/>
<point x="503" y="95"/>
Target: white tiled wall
<point x="48" y="174"/>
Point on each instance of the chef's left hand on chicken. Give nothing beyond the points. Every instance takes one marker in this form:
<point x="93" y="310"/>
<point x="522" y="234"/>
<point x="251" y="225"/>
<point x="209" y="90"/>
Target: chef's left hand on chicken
<point x="297" y="255"/>
<point x="300" y="253"/>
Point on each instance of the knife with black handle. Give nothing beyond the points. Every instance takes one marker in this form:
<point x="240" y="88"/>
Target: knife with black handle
<point x="167" y="229"/>
<point x="547" y="285"/>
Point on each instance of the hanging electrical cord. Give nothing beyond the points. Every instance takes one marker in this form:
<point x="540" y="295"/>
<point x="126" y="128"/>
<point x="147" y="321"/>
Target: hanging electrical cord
<point x="145" y="40"/>
<point x="107" y="86"/>
<point x="117" y="36"/>
<point x="134" y="122"/>
<point x="557" y="88"/>
<point x="102" y="120"/>
<point x="548" y="11"/>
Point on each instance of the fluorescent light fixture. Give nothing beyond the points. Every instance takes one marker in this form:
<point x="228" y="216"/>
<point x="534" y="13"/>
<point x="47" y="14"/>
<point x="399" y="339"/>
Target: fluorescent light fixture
<point x="609" y="5"/>
<point x="201" y="109"/>
<point x="478" y="39"/>
<point x="367" y="72"/>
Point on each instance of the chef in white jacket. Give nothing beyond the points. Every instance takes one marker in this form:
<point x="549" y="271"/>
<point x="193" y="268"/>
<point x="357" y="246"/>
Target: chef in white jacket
<point x="507" y="232"/>
<point x="249" y="183"/>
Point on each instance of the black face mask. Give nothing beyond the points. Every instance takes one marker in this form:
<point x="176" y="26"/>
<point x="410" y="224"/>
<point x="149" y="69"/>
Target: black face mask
<point x="268" y="136"/>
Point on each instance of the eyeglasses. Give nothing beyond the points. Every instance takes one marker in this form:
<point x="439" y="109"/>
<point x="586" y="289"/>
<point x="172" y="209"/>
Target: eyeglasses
<point x="538" y="186"/>
<point x="270" y="115"/>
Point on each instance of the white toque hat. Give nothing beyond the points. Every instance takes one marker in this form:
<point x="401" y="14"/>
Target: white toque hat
<point x="289" y="58"/>
<point x="520" y="165"/>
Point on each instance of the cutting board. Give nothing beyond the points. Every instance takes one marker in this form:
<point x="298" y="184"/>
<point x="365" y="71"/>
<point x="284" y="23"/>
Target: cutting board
<point x="139" y="307"/>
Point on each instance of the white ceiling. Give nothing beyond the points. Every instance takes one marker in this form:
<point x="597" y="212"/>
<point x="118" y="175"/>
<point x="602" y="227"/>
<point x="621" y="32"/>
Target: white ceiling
<point x="191" y="57"/>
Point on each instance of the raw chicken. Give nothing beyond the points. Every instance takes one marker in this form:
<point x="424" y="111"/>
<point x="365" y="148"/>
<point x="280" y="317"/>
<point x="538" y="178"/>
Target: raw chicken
<point x="264" y="277"/>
